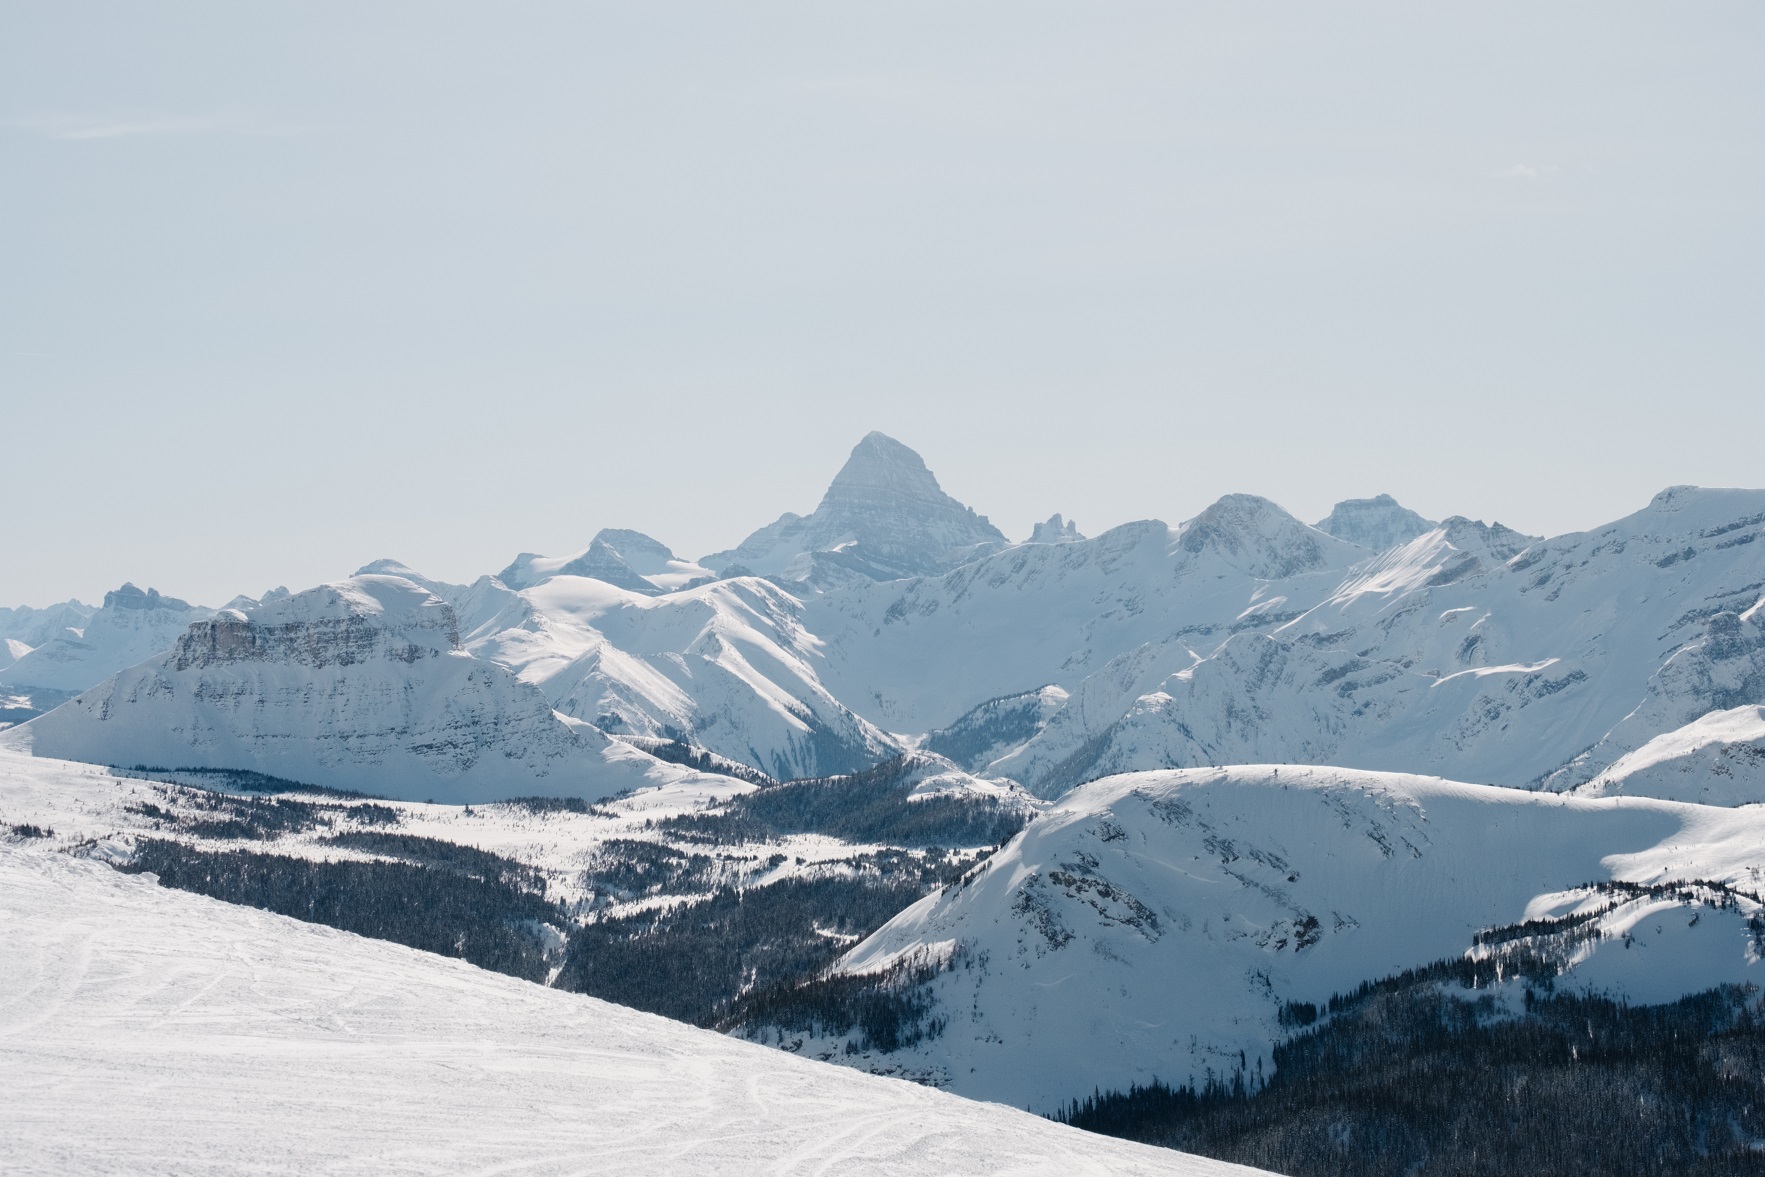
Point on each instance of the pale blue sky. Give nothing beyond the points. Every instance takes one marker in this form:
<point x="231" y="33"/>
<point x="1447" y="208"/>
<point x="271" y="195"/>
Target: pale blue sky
<point x="287" y="287"/>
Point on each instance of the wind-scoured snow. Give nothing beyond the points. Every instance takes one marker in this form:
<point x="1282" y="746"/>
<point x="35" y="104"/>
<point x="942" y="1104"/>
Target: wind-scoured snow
<point x="149" y="1031"/>
<point x="361" y="685"/>
<point x="1152" y="925"/>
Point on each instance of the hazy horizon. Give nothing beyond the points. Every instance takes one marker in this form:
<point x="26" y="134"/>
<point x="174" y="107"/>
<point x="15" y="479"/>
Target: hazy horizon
<point x="288" y="288"/>
<point x="456" y="572"/>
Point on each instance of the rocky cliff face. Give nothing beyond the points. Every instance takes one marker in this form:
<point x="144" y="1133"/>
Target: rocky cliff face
<point x="883" y="518"/>
<point x="359" y="685"/>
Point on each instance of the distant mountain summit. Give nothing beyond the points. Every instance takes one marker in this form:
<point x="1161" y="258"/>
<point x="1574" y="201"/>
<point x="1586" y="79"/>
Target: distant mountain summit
<point x="1378" y="523"/>
<point x="34" y="627"/>
<point x="1254" y="536"/>
<point x="133" y="624"/>
<point x="1056" y="530"/>
<point x="629" y="559"/>
<point x="884" y="517"/>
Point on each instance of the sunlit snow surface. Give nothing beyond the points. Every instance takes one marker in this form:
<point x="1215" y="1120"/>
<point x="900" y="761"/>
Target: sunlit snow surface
<point x="150" y="1031"/>
<point x="1151" y="925"/>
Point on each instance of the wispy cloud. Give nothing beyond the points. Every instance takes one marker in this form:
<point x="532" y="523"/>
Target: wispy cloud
<point x="74" y="128"/>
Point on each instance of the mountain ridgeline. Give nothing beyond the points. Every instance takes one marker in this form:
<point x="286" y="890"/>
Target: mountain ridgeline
<point x="893" y="615"/>
<point x="1379" y="845"/>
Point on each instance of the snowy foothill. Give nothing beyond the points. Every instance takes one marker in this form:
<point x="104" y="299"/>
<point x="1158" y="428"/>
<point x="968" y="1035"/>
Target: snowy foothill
<point x="147" y="1031"/>
<point x="1154" y="925"/>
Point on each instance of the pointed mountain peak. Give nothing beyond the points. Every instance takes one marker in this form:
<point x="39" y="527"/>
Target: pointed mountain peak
<point x="880" y="463"/>
<point x="1378" y="523"/>
<point x="884" y="517"/>
<point x="1238" y="513"/>
<point x="622" y="557"/>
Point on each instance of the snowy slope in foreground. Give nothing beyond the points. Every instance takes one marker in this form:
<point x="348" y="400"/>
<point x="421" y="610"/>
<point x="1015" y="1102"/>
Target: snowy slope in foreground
<point x="1153" y="925"/>
<point x="151" y="1031"/>
<point x="361" y="685"/>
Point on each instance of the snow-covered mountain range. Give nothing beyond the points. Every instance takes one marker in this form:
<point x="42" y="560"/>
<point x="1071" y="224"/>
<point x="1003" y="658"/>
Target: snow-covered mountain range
<point x="130" y="627"/>
<point x="361" y="685"/>
<point x="1261" y="762"/>
<point x="31" y="627"/>
<point x="893" y="615"/>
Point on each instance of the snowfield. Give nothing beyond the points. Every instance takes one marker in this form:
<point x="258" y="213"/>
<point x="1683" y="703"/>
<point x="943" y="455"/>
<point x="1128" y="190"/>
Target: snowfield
<point x="148" y="1031"/>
